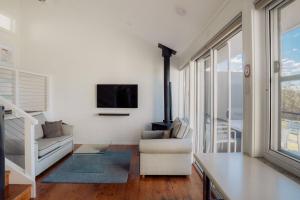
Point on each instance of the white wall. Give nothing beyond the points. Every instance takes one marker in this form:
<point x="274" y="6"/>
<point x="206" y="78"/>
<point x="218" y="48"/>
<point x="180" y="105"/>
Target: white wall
<point x="79" y="50"/>
<point x="225" y="15"/>
<point x="10" y="39"/>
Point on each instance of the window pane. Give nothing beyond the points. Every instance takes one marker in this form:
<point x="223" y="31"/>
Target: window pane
<point x="5" y="22"/>
<point x="290" y="117"/>
<point x="229" y="96"/>
<point x="236" y="86"/>
<point x="288" y="82"/>
<point x="222" y="100"/>
<point x="207" y="106"/>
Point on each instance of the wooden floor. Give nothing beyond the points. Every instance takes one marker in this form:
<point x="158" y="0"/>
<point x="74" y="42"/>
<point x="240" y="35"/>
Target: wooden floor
<point x="137" y="188"/>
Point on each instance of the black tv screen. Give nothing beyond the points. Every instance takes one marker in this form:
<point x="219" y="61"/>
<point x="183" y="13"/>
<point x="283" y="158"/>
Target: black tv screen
<point x="117" y="96"/>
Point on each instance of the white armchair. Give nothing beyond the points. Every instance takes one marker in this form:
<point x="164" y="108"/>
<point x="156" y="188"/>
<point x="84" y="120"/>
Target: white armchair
<point x="171" y="156"/>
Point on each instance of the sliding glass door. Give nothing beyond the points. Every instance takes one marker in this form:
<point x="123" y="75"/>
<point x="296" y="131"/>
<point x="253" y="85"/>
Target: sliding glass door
<point x="220" y="97"/>
<point x="228" y="99"/>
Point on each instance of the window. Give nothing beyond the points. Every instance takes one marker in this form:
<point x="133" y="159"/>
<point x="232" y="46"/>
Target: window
<point x="284" y="33"/>
<point x="203" y="115"/>
<point x="6" y="23"/>
<point x="32" y="92"/>
<point x="207" y="135"/>
<point x="219" y="87"/>
<point x="7" y="84"/>
<point x="27" y="90"/>
<point x="212" y="88"/>
<point x="186" y="92"/>
<point x="228" y="95"/>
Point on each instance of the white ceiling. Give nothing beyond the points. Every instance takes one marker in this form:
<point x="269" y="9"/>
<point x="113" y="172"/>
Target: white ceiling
<point x="155" y="21"/>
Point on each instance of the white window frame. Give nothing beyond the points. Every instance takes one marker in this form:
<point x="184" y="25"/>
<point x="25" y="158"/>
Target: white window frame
<point x="281" y="159"/>
<point x="16" y="99"/>
<point x="200" y="101"/>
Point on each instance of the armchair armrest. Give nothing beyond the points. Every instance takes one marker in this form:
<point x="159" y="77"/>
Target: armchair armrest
<point x="152" y="134"/>
<point x="68" y="129"/>
<point x="169" y="146"/>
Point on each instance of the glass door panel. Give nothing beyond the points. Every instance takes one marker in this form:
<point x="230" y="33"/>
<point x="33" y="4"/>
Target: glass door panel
<point x="203" y="115"/>
<point x="207" y="134"/>
<point x="288" y="139"/>
<point x="222" y="91"/>
<point x="236" y="84"/>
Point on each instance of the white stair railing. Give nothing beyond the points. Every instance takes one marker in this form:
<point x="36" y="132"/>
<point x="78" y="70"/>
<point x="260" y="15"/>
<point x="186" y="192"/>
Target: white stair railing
<point x="29" y="123"/>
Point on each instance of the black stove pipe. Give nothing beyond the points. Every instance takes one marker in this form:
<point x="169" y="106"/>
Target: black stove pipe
<point x="166" y="54"/>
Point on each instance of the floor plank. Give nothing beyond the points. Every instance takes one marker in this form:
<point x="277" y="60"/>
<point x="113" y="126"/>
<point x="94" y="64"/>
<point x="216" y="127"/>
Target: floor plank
<point x="17" y="192"/>
<point x="137" y="188"/>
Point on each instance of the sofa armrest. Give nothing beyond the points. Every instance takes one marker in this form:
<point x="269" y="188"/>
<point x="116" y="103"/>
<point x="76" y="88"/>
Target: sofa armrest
<point x="152" y="134"/>
<point x="36" y="151"/>
<point x="68" y="129"/>
<point x="168" y="146"/>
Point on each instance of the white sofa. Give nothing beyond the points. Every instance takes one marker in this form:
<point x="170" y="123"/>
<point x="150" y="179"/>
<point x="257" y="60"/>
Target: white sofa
<point x="170" y="156"/>
<point x="49" y="150"/>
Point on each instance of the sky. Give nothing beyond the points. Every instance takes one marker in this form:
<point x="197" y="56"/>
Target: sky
<point x="290" y="52"/>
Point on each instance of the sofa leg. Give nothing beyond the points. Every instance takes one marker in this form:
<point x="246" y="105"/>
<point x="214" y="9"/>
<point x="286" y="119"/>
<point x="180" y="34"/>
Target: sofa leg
<point x="143" y="176"/>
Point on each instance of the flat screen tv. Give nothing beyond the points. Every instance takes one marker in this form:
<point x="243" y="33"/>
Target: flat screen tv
<point x="117" y="96"/>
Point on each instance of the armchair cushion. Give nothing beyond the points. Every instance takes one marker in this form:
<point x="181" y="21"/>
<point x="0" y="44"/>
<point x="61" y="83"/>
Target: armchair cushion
<point x="158" y="134"/>
<point x="152" y="134"/>
<point x="167" y="146"/>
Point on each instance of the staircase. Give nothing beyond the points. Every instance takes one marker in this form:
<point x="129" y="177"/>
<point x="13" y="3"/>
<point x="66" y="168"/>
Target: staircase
<point x="16" y="191"/>
<point x="19" y="128"/>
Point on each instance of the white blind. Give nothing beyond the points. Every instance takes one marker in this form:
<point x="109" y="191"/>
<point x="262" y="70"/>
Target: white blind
<point x="7" y="84"/>
<point x="32" y="92"/>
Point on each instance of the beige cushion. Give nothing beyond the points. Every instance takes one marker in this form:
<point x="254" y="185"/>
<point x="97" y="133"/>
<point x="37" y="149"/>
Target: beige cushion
<point x="152" y="134"/>
<point x="67" y="129"/>
<point x="182" y="131"/>
<point x="176" y="127"/>
<point x="38" y="128"/>
<point x="166" y="146"/>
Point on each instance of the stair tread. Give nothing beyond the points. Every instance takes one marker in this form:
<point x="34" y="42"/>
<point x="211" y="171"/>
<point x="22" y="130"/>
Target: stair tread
<point x="16" y="191"/>
<point x="7" y="173"/>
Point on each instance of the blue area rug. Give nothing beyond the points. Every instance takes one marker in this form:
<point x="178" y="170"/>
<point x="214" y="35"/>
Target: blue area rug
<point x="110" y="167"/>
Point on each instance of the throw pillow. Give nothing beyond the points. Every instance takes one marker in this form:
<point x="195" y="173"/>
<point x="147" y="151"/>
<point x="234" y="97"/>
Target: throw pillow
<point x="52" y="129"/>
<point x="176" y="127"/>
<point x="182" y="130"/>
